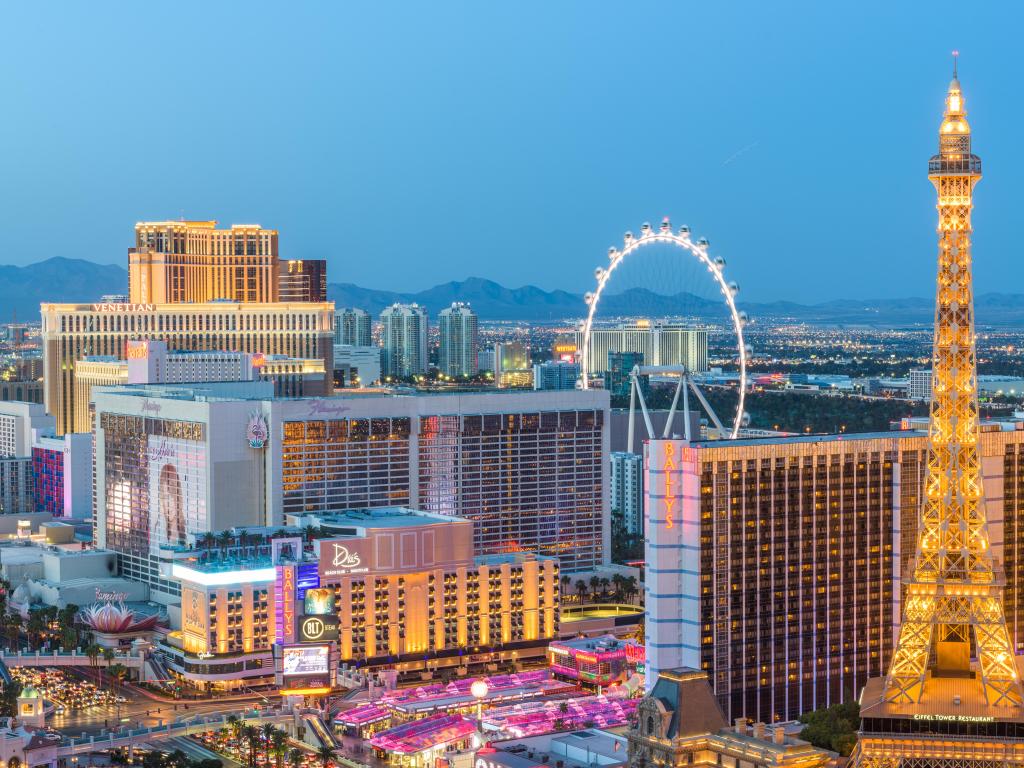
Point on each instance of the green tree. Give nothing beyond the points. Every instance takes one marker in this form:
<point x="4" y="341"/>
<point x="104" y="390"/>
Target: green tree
<point x="279" y="748"/>
<point x="295" y="758"/>
<point x="118" y="672"/>
<point x="325" y="755"/>
<point x="9" y="699"/>
<point x="13" y="629"/>
<point x="832" y="727"/>
<point x="581" y="589"/>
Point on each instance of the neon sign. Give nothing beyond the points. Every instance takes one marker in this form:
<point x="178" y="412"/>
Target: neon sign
<point x="256" y="431"/>
<point x="124" y="307"/>
<point x="137" y="351"/>
<point x="670" y="497"/>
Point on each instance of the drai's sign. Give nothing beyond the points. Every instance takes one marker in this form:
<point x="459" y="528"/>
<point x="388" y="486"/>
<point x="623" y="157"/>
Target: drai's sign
<point x="124" y="307"/>
<point x="958" y="718"/>
<point x="340" y="560"/>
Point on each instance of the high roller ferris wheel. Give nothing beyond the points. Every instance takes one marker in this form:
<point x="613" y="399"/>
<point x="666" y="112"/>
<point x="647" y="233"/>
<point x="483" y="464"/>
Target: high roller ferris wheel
<point x="737" y="320"/>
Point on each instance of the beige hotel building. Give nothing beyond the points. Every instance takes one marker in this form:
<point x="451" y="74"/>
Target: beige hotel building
<point x="72" y="332"/>
<point x="197" y="288"/>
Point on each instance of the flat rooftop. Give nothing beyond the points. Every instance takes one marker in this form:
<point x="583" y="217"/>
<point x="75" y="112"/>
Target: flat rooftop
<point x="383" y="517"/>
<point x="243" y="391"/>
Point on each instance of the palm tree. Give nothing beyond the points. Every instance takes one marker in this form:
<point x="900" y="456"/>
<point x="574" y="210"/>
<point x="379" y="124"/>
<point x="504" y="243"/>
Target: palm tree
<point x="295" y="758"/>
<point x="13" y="627"/>
<point x="326" y="755"/>
<point x="251" y="734"/>
<point x="566" y="583"/>
<point x="581" y="589"/>
<point x="234" y="724"/>
<point x="208" y="540"/>
<point x="631" y="586"/>
<point x="279" y="740"/>
<point x="618" y="581"/>
<point x="118" y="672"/>
<point x="595" y="582"/>
<point x="267" y="731"/>
<point x="225" y="538"/>
<point x="93" y="652"/>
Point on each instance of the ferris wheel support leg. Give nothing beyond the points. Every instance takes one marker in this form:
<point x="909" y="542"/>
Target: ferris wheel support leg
<point x="643" y="407"/>
<point x="632" y="413"/>
<point x="672" y="411"/>
<point x="707" y="406"/>
<point x="683" y="382"/>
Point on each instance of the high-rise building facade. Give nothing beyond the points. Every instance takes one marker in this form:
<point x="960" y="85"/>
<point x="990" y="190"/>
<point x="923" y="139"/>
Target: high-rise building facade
<point x="617" y="376"/>
<point x="72" y="332"/>
<point x="512" y="367"/>
<point x="919" y="384"/>
<point x="555" y="374"/>
<point x="352" y="326"/>
<point x="626" y="486"/>
<point x="356" y="366"/>
<point x="793" y="551"/>
<point x="302" y="280"/>
<point x="457" y="354"/>
<point x="176" y="262"/>
<point x="18" y="421"/>
<point x="404" y="339"/>
<point x="528" y="469"/>
<point x="659" y="343"/>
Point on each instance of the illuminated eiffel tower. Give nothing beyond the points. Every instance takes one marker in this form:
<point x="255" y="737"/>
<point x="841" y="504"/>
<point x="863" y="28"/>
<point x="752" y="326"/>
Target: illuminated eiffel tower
<point x="937" y="709"/>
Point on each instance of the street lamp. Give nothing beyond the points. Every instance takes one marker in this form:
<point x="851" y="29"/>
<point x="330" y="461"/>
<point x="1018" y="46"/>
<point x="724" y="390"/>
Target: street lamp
<point x="479" y="690"/>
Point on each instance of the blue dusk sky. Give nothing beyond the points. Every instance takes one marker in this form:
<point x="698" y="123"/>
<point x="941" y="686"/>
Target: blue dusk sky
<point x="419" y="142"/>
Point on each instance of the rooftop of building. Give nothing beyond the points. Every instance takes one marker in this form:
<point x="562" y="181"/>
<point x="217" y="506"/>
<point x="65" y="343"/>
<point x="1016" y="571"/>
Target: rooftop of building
<point x="958" y="699"/>
<point x="576" y="749"/>
<point x="894" y="434"/>
<point x="384" y="517"/>
<point x="596" y="644"/>
<point x="245" y="391"/>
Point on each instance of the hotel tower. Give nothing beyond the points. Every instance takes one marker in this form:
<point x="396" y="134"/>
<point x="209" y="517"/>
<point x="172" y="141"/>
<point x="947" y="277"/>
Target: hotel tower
<point x="196" y="287"/>
<point x="952" y="696"/>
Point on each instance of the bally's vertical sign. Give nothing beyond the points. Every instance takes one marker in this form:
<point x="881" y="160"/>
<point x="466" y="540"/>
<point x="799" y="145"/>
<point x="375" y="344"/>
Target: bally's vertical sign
<point x="672" y="554"/>
<point x="284" y="604"/>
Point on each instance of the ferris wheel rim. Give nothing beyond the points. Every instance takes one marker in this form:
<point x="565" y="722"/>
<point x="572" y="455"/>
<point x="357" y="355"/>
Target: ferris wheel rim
<point x="632" y="245"/>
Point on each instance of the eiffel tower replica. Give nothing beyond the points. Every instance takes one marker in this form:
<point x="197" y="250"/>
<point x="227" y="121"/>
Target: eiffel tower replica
<point x="952" y="698"/>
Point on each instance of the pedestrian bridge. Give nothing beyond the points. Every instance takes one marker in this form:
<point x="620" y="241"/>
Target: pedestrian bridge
<point x="126" y="737"/>
<point x="68" y="659"/>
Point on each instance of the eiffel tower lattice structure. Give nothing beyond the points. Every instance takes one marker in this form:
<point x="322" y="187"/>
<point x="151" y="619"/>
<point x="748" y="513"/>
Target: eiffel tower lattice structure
<point x="937" y="707"/>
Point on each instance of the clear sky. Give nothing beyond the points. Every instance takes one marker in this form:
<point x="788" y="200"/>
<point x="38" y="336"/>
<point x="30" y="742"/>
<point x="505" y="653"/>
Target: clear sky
<point x="418" y="142"/>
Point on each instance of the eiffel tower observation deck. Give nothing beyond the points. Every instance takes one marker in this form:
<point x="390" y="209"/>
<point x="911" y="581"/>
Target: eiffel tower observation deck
<point x="952" y="698"/>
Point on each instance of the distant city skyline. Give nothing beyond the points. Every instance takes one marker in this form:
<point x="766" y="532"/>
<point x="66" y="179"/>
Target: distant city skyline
<point x="464" y="139"/>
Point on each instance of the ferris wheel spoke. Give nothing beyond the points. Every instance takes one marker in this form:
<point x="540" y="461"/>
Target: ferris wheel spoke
<point x="728" y="289"/>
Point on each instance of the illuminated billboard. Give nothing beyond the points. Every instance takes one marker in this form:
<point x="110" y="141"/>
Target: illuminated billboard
<point x="176" y="489"/>
<point x="319" y="602"/>
<point x="305" y="660"/>
<point x="314" y="629"/>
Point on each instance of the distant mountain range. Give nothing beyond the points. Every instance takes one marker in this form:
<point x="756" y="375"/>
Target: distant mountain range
<point x="23" y="289"/>
<point x="75" y="280"/>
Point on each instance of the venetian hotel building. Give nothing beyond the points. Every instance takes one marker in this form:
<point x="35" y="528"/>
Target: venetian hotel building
<point x="773" y="562"/>
<point x="71" y="332"/>
<point x="391" y="588"/>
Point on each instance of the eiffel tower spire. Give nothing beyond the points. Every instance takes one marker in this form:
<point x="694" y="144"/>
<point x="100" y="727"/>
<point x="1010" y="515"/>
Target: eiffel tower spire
<point x="953" y="600"/>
